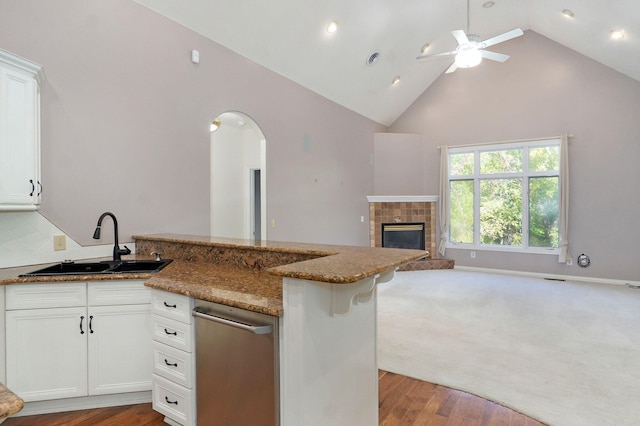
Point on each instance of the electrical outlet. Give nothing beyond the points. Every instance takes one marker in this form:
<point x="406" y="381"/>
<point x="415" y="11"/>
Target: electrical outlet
<point x="273" y="223"/>
<point x="362" y="219"/>
<point x="59" y="242"/>
<point x="473" y="254"/>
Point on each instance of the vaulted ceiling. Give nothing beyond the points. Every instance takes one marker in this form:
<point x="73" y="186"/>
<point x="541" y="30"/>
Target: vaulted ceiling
<point x="289" y="37"/>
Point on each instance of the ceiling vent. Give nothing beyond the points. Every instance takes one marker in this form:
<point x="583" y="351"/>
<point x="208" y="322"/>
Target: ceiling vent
<point x="373" y="58"/>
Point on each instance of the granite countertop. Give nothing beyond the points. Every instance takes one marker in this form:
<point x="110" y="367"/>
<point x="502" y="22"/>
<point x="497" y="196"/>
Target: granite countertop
<point x="246" y="274"/>
<point x="10" y="403"/>
<point x="316" y="262"/>
<point x="257" y="291"/>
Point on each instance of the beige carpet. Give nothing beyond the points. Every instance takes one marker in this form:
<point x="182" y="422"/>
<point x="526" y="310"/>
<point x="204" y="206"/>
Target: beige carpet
<point x="567" y="354"/>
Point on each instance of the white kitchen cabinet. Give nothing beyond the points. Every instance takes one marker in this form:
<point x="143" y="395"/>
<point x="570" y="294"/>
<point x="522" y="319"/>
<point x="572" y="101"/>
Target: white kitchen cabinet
<point x="174" y="358"/>
<point x="20" y="186"/>
<point x="119" y="349"/>
<point x="69" y="340"/>
<point x="46" y="353"/>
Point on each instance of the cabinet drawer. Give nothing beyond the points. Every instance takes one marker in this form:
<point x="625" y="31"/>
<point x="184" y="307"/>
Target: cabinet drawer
<point x="173" y="401"/>
<point x="125" y="292"/>
<point x="173" y="333"/>
<point x="173" y="364"/>
<point x="171" y="305"/>
<point x="46" y="295"/>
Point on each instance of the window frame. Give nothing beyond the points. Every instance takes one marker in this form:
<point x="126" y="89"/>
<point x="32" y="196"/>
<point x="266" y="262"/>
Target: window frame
<point x="525" y="175"/>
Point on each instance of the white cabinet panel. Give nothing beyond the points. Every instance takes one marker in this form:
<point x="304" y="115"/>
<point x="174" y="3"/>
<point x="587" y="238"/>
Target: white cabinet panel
<point x="47" y="353"/>
<point x="20" y="186"/>
<point x="125" y="292"/>
<point x="119" y="349"/>
<point x="46" y="295"/>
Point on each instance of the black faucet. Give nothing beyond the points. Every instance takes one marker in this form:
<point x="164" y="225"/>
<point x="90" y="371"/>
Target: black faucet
<point x="117" y="251"/>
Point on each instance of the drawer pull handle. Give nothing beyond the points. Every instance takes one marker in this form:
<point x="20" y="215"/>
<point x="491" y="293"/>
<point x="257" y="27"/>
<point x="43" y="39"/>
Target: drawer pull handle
<point x="173" y="333"/>
<point x="90" y="324"/>
<point x="166" y="398"/>
<point x="170" y="306"/>
<point x="81" y="330"/>
<point x="170" y="364"/>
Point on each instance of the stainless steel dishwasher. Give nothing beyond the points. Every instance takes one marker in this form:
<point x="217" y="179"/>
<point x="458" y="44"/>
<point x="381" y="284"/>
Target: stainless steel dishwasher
<point x="236" y="366"/>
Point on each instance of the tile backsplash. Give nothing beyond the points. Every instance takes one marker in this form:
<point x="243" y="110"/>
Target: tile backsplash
<point x="26" y="238"/>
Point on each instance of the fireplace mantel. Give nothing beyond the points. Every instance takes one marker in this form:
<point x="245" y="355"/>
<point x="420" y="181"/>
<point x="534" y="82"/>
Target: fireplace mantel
<point x="402" y="198"/>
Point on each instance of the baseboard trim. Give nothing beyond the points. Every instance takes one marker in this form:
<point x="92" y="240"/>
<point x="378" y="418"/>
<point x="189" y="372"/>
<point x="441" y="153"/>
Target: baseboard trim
<point x="83" y="403"/>
<point x="573" y="278"/>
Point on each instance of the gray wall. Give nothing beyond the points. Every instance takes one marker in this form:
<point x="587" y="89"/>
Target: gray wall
<point x="125" y="118"/>
<point x="546" y="89"/>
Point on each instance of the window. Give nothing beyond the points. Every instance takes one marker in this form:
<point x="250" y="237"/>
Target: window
<point x="505" y="196"/>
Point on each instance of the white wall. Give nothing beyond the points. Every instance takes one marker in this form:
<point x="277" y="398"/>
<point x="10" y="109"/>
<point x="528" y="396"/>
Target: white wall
<point x="234" y="152"/>
<point x="544" y="90"/>
<point x="125" y="126"/>
<point x="399" y="164"/>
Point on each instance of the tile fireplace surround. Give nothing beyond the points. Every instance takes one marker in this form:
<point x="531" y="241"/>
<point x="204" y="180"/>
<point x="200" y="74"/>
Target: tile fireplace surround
<point x="396" y="209"/>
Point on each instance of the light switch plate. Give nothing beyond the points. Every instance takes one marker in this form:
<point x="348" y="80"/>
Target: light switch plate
<point x="59" y="242"/>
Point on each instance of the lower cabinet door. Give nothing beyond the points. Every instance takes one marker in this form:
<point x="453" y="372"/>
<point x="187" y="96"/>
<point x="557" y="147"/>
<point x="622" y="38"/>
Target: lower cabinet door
<point x="120" y="349"/>
<point x="47" y="353"/>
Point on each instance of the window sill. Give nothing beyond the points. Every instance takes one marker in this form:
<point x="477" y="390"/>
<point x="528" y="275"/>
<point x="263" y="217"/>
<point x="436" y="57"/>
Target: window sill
<point x="530" y="250"/>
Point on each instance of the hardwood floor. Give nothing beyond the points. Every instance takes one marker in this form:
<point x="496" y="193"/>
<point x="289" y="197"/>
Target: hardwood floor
<point x="402" y="400"/>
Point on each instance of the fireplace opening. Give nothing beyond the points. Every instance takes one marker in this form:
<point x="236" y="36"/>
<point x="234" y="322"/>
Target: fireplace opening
<point x="403" y="235"/>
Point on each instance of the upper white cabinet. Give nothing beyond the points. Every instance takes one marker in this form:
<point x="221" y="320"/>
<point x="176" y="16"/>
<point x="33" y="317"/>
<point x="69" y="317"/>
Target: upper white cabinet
<point x="20" y="185"/>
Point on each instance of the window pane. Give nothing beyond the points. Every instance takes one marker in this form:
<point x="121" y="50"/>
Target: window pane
<point x="505" y="161"/>
<point x="544" y="158"/>
<point x="501" y="212"/>
<point x="461" y="164"/>
<point x="543" y="212"/>
<point x="461" y="210"/>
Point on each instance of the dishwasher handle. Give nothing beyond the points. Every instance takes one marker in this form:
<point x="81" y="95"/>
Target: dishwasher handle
<point x="256" y="329"/>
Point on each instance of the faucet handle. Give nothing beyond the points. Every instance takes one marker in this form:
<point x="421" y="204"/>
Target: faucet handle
<point x="125" y="250"/>
<point x="158" y="256"/>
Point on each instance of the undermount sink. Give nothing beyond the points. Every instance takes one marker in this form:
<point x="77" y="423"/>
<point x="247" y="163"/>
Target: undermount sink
<point x="105" y="267"/>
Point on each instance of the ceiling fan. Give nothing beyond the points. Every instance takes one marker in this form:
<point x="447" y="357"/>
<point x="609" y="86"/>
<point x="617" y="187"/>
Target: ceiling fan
<point x="470" y="50"/>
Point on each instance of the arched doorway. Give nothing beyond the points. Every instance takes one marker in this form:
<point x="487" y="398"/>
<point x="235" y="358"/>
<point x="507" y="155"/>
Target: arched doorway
<point x="238" y="178"/>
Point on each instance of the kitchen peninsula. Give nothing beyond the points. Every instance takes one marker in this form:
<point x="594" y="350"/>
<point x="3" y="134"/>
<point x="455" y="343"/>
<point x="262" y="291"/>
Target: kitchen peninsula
<point x="323" y="299"/>
<point x="324" y="296"/>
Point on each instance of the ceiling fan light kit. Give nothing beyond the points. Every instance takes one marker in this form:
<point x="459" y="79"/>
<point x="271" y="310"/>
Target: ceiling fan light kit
<point x="468" y="58"/>
<point x="470" y="50"/>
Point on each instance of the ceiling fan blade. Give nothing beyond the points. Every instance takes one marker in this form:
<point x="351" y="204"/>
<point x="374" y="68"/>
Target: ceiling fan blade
<point x="451" y="69"/>
<point x="460" y="36"/>
<point x="435" y="55"/>
<point x="502" y="37"/>
<point x="494" y="56"/>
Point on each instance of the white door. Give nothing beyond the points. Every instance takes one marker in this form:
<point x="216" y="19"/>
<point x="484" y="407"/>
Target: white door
<point x="120" y="349"/>
<point x="47" y="353"/>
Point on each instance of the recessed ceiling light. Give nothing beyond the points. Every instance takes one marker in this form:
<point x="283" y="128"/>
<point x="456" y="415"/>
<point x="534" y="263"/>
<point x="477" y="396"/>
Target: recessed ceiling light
<point x="425" y="47"/>
<point x="332" y="27"/>
<point x="488" y="4"/>
<point x="396" y="80"/>
<point x="617" y="34"/>
<point x="568" y="13"/>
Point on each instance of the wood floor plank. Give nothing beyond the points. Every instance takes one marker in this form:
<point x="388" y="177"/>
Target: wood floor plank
<point x="403" y="401"/>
